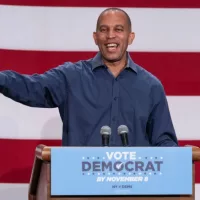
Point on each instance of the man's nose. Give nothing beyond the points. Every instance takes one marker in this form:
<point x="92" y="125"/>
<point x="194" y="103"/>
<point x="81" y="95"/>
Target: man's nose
<point x="111" y="34"/>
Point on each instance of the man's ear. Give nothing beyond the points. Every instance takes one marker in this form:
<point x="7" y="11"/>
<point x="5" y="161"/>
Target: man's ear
<point x="131" y="38"/>
<point x="95" y="37"/>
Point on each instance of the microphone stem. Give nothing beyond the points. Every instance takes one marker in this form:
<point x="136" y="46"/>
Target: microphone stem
<point x="105" y="140"/>
<point x="124" y="139"/>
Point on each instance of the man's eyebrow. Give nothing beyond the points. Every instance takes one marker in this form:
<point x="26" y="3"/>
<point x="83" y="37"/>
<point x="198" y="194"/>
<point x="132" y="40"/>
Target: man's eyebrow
<point x="103" y="25"/>
<point x="117" y="25"/>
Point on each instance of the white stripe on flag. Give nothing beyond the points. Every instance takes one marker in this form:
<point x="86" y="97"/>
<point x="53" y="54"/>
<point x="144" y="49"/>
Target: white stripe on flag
<point x="13" y="191"/>
<point x="20" y="191"/>
<point x="185" y="112"/>
<point x="22" y="122"/>
<point x="65" y="28"/>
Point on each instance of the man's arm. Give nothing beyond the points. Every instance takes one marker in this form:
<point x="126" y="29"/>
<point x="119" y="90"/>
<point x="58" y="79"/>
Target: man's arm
<point x="37" y="90"/>
<point x="160" y="127"/>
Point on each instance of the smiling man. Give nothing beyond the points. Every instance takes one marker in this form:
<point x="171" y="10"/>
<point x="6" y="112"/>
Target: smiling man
<point x="109" y="89"/>
<point x="113" y="35"/>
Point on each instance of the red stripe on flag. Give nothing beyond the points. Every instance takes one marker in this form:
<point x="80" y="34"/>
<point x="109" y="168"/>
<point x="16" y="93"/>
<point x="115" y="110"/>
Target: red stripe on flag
<point x="179" y="72"/>
<point x="105" y="3"/>
<point x="17" y="158"/>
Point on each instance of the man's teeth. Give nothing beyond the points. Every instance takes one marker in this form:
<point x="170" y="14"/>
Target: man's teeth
<point x="111" y="45"/>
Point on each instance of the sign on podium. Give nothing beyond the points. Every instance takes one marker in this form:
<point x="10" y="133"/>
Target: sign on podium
<point x="121" y="171"/>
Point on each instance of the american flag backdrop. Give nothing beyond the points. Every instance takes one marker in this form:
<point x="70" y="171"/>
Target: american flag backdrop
<point x="37" y="35"/>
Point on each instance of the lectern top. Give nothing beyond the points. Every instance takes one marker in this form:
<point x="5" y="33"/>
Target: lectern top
<point x="44" y="152"/>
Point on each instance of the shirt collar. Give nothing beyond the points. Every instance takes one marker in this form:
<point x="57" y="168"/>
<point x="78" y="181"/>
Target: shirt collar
<point x="97" y="62"/>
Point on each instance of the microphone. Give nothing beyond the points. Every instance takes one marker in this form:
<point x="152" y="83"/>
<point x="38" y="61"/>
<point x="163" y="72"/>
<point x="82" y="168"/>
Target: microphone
<point x="105" y="134"/>
<point x="123" y="133"/>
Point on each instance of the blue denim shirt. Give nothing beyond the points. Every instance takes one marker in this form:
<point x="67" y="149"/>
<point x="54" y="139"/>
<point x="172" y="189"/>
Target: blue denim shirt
<point x="88" y="97"/>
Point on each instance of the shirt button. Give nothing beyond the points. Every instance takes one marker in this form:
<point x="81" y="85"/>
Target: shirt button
<point x="115" y="98"/>
<point x="114" y="119"/>
<point x="119" y="77"/>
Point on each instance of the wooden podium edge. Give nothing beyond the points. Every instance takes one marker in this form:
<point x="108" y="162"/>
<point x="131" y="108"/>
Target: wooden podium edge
<point x="42" y="154"/>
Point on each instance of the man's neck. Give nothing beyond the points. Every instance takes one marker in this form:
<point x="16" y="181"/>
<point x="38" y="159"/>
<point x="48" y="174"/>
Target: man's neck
<point x="116" y="67"/>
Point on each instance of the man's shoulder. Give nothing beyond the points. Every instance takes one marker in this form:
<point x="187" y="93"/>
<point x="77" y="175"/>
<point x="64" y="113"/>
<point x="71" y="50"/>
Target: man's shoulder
<point x="152" y="82"/>
<point x="75" y="66"/>
<point x="148" y="77"/>
<point x="80" y="64"/>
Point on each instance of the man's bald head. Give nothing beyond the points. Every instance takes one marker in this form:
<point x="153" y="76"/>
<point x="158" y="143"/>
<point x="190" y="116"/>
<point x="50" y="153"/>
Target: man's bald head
<point x="117" y="10"/>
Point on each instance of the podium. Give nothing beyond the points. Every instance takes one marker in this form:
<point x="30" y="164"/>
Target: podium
<point x="49" y="181"/>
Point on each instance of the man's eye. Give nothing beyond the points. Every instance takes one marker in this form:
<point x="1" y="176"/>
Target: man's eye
<point x="103" y="30"/>
<point x="119" y="30"/>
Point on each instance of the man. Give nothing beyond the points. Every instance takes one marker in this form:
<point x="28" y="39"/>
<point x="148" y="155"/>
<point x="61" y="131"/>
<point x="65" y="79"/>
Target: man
<point x="109" y="89"/>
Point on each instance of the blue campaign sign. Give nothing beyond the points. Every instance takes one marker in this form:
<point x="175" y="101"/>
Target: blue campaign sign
<point x="121" y="171"/>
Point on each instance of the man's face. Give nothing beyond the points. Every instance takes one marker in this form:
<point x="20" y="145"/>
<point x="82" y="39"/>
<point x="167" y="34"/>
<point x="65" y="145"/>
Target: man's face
<point x="113" y="35"/>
